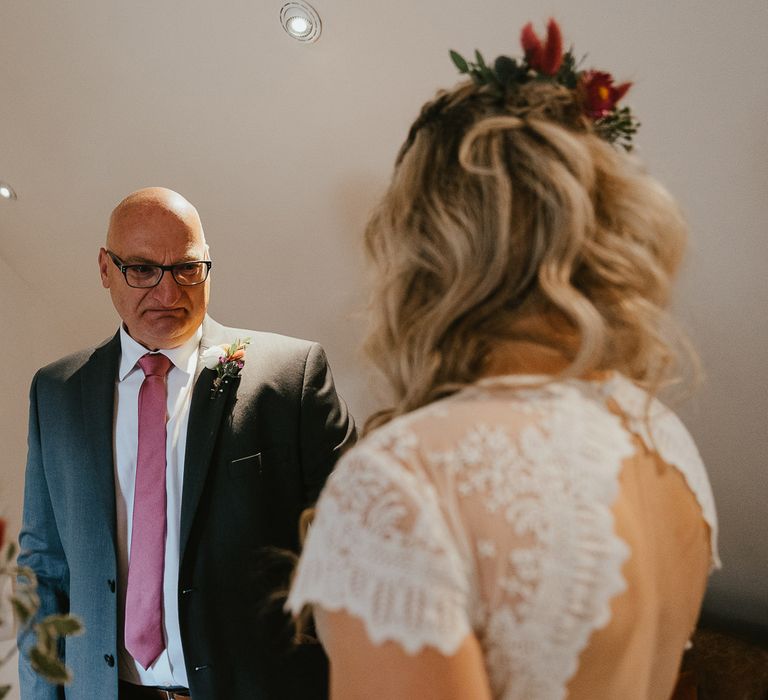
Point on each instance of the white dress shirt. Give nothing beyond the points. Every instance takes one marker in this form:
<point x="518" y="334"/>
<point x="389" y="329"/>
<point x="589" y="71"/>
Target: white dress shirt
<point x="168" y="669"/>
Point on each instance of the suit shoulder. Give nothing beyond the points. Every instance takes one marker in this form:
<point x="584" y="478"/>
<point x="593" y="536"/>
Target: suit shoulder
<point x="284" y="354"/>
<point x="282" y="344"/>
<point x="65" y="367"/>
<point x="272" y="345"/>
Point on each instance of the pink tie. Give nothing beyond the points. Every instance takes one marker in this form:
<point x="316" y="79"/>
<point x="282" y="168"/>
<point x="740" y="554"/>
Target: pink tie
<point x="144" y="596"/>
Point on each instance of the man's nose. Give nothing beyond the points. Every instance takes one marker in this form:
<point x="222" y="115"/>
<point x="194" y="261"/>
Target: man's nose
<point x="167" y="290"/>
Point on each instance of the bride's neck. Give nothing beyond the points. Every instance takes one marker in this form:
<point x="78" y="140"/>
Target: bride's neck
<point x="544" y="345"/>
<point x="524" y="357"/>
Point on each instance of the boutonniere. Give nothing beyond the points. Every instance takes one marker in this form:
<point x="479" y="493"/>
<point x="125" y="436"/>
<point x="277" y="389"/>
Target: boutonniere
<point x="227" y="360"/>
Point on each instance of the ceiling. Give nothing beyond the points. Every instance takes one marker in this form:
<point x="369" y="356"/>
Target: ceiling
<point x="284" y="148"/>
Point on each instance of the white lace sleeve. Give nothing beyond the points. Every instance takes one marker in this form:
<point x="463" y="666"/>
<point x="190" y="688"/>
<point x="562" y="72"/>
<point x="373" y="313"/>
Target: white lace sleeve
<point x="667" y="435"/>
<point x="379" y="548"/>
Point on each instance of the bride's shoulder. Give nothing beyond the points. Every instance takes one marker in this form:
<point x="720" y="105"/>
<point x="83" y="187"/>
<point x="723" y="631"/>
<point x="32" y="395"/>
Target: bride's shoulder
<point x="510" y="403"/>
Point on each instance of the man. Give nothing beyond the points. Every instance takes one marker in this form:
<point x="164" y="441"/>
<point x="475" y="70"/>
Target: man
<point x="159" y="492"/>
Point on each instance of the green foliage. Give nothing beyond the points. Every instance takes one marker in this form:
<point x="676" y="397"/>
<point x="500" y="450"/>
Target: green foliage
<point x="49" y="666"/>
<point x="508" y="70"/>
<point x="568" y="74"/>
<point x="619" y="126"/>
<point x="61" y="626"/>
<point x="501" y="78"/>
<point x="46" y="633"/>
<point x="459" y="62"/>
<point x="22" y="611"/>
<point x="10" y="552"/>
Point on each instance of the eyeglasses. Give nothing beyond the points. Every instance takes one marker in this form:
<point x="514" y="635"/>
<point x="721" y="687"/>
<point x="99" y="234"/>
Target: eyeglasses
<point x="145" y="275"/>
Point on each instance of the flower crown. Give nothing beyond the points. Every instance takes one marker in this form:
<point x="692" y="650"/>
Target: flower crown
<point x="545" y="61"/>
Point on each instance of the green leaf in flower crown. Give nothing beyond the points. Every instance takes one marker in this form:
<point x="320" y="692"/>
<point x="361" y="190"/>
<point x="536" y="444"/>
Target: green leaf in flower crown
<point x="477" y="76"/>
<point x="49" y="667"/>
<point x="568" y="75"/>
<point x="459" y="62"/>
<point x="489" y="77"/>
<point x="507" y="70"/>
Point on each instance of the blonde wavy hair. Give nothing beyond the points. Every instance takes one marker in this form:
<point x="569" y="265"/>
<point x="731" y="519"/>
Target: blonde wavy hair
<point x="503" y="210"/>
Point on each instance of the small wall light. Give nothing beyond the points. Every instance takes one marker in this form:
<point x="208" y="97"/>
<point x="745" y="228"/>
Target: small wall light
<point x="6" y="191"/>
<point x="301" y="21"/>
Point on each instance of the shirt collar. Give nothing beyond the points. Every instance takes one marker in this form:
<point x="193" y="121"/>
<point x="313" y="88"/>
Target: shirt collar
<point x="183" y="357"/>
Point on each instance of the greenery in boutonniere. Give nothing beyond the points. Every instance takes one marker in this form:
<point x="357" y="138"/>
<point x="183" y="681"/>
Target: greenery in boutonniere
<point x="227" y="360"/>
<point x="45" y="633"/>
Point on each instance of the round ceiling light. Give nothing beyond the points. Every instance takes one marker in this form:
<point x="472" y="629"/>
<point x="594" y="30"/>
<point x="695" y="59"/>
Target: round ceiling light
<point x="6" y="191"/>
<point x="301" y="21"/>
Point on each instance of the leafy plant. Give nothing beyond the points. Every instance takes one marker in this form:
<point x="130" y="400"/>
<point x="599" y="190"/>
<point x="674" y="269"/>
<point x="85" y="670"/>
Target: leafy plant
<point x="46" y="632"/>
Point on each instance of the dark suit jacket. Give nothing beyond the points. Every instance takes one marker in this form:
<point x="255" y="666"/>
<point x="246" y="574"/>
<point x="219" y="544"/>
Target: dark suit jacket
<point x="256" y="456"/>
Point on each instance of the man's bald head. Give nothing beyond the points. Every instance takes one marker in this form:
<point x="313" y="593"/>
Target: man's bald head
<point x="150" y="202"/>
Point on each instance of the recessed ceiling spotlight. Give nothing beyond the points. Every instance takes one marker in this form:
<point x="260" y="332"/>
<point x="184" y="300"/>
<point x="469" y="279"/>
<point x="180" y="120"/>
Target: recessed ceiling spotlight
<point x="6" y="191"/>
<point x="301" y="21"/>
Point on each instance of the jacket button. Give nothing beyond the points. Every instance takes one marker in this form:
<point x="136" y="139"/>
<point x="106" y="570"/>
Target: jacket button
<point x="109" y="659"/>
<point x="111" y="584"/>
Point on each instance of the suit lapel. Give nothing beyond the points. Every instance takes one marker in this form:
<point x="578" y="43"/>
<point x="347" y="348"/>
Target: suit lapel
<point x="205" y="416"/>
<point x="98" y="401"/>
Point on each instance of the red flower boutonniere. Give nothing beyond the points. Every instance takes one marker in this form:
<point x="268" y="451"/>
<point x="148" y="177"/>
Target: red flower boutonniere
<point x="227" y="360"/>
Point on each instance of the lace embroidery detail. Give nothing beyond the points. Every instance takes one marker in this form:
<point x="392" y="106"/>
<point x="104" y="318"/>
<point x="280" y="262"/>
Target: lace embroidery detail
<point x="407" y="532"/>
<point x="378" y="549"/>
<point x="559" y="502"/>
<point x="669" y="437"/>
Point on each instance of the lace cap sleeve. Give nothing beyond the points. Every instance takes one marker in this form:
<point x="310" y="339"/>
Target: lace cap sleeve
<point x="380" y="549"/>
<point x="666" y="434"/>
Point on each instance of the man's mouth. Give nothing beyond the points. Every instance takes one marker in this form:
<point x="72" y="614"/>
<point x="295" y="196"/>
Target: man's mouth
<point x="173" y="311"/>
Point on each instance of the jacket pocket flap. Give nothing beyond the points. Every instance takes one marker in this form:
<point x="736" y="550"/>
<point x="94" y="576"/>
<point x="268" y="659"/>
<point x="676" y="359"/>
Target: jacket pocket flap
<point x="256" y="463"/>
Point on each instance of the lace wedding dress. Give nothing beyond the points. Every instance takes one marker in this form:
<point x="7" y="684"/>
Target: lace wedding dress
<point x="499" y="511"/>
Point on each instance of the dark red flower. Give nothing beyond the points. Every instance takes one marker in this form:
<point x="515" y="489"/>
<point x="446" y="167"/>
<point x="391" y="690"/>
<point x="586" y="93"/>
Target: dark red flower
<point x="600" y="94"/>
<point x="544" y="58"/>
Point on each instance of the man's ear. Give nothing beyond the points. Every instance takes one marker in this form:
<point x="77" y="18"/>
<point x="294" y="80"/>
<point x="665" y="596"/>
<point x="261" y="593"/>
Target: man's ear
<point x="104" y="263"/>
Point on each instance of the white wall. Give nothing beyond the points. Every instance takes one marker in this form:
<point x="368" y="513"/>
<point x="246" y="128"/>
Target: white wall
<point x="284" y="148"/>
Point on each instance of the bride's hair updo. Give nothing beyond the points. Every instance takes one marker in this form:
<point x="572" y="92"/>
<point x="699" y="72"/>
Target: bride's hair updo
<point x="504" y="209"/>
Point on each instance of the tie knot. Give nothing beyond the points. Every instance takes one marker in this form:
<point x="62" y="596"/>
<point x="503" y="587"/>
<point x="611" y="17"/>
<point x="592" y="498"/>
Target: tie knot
<point x="155" y="364"/>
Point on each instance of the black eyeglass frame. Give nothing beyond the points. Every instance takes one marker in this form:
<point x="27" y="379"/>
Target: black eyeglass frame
<point x="120" y="265"/>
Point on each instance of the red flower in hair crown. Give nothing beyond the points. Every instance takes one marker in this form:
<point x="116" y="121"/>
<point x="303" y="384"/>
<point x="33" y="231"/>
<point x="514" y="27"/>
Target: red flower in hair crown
<point x="545" y="60"/>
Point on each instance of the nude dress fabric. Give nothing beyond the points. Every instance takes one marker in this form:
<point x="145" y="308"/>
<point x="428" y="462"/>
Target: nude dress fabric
<point x="570" y="526"/>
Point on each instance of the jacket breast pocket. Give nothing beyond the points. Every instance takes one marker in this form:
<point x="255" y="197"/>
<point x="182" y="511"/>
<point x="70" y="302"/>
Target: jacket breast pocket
<point x="256" y="464"/>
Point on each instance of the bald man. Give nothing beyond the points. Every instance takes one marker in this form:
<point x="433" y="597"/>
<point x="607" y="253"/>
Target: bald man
<point x="159" y="491"/>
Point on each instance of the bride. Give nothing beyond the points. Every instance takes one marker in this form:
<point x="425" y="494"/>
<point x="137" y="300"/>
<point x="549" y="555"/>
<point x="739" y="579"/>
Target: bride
<point x="527" y="520"/>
